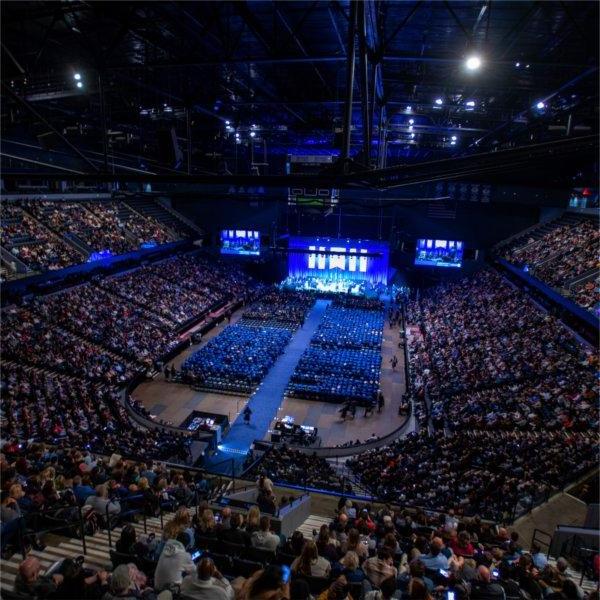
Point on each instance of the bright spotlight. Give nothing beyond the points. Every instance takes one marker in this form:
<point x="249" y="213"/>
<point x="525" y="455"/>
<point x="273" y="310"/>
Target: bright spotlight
<point x="471" y="103"/>
<point x="408" y="108"/>
<point x="439" y="101"/>
<point x="227" y="122"/>
<point x="453" y="138"/>
<point x="473" y="63"/>
<point x="77" y="76"/>
<point x="517" y="64"/>
<point x="412" y="136"/>
<point x="453" y="143"/>
<point x="411" y="121"/>
<point x="237" y="135"/>
<point x="540" y="105"/>
<point x="252" y="134"/>
<point x="79" y="84"/>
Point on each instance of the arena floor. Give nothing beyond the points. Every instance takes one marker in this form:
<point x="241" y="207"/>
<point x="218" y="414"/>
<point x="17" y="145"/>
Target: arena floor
<point x="173" y="402"/>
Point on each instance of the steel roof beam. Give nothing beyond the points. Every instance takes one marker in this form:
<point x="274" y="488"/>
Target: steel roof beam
<point x="291" y="60"/>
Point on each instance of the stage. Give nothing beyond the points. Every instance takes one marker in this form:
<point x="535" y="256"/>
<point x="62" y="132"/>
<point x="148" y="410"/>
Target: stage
<point x="325" y="286"/>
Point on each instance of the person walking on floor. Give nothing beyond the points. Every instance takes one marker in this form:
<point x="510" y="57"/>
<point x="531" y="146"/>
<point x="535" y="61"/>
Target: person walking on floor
<point x="247" y="415"/>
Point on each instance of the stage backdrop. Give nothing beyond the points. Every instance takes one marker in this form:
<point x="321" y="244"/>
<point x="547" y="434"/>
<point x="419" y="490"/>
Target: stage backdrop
<point x="349" y="262"/>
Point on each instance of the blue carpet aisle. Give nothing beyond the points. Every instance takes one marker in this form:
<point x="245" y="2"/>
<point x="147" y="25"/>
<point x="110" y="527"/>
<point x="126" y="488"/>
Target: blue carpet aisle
<point x="267" y="399"/>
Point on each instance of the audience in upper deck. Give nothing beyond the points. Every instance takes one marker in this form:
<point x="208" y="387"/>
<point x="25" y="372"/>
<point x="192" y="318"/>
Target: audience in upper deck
<point x="563" y="253"/>
<point x="31" y="243"/>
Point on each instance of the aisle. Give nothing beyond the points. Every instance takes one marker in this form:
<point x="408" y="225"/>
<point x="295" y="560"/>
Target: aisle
<point x="269" y="396"/>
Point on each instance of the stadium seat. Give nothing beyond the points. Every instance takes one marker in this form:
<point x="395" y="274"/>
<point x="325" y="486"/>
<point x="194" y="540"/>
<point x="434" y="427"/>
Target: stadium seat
<point x="245" y="568"/>
<point x="259" y="555"/>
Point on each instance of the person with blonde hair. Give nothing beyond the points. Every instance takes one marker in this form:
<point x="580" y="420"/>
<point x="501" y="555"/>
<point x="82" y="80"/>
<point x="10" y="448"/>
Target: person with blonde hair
<point x="207" y="526"/>
<point x="253" y="520"/>
<point x="349" y="567"/>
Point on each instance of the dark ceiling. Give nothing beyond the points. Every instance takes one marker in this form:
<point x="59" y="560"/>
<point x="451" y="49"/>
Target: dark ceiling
<point x="277" y="70"/>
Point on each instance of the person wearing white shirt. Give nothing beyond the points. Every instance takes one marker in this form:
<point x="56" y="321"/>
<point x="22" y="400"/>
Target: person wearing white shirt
<point x="206" y="584"/>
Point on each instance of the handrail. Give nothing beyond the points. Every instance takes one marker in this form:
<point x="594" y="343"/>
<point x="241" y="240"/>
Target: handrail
<point x="128" y="512"/>
<point x="222" y="462"/>
<point x="535" y="539"/>
<point x="48" y="512"/>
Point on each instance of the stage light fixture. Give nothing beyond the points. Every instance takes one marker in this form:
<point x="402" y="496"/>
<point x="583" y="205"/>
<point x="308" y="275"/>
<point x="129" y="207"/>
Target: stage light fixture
<point x="540" y="105"/>
<point x="453" y="143"/>
<point x="471" y="103"/>
<point x="412" y="136"/>
<point x="517" y="64"/>
<point x="228" y="123"/>
<point x="453" y="138"/>
<point x="408" y="108"/>
<point x="79" y="84"/>
<point x="473" y="63"/>
<point x="411" y="121"/>
<point x="439" y="101"/>
<point x="252" y="134"/>
<point x="77" y="76"/>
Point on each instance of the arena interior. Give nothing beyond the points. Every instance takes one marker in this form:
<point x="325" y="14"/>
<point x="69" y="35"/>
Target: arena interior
<point x="300" y="300"/>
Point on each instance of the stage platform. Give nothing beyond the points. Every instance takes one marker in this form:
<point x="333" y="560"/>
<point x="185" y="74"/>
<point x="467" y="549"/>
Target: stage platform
<point x="331" y="286"/>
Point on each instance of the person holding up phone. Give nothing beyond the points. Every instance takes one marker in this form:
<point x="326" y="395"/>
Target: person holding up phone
<point x="207" y="583"/>
<point x="272" y="582"/>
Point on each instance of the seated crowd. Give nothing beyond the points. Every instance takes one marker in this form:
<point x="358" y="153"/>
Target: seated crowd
<point x="335" y="375"/>
<point x="78" y="348"/>
<point x="31" y="243"/>
<point x="45" y="234"/>
<point x="27" y="339"/>
<point x="587" y="294"/>
<point x="280" y="308"/>
<point x="239" y="358"/>
<point x="343" y="361"/>
<point x="98" y="224"/>
<point x="159" y="287"/>
<point x="350" y="328"/>
<point x="563" y="253"/>
<point x="110" y="321"/>
<point x="506" y="382"/>
<point x="364" y="553"/>
<point x="284" y="464"/>
<point x="44" y="407"/>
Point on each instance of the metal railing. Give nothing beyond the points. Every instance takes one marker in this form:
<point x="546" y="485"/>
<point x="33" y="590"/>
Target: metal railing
<point x="111" y="520"/>
<point x="20" y="530"/>
<point x="537" y="540"/>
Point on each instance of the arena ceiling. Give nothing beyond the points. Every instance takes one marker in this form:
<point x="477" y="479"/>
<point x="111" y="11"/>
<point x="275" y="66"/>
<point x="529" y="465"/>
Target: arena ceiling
<point x="270" y="78"/>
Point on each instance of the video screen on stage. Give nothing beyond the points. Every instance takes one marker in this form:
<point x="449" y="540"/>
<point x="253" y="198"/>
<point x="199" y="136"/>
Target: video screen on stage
<point x="439" y="253"/>
<point x="241" y="242"/>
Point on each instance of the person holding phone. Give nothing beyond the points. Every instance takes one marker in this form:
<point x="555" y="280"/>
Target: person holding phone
<point x="273" y="583"/>
<point x="207" y="583"/>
